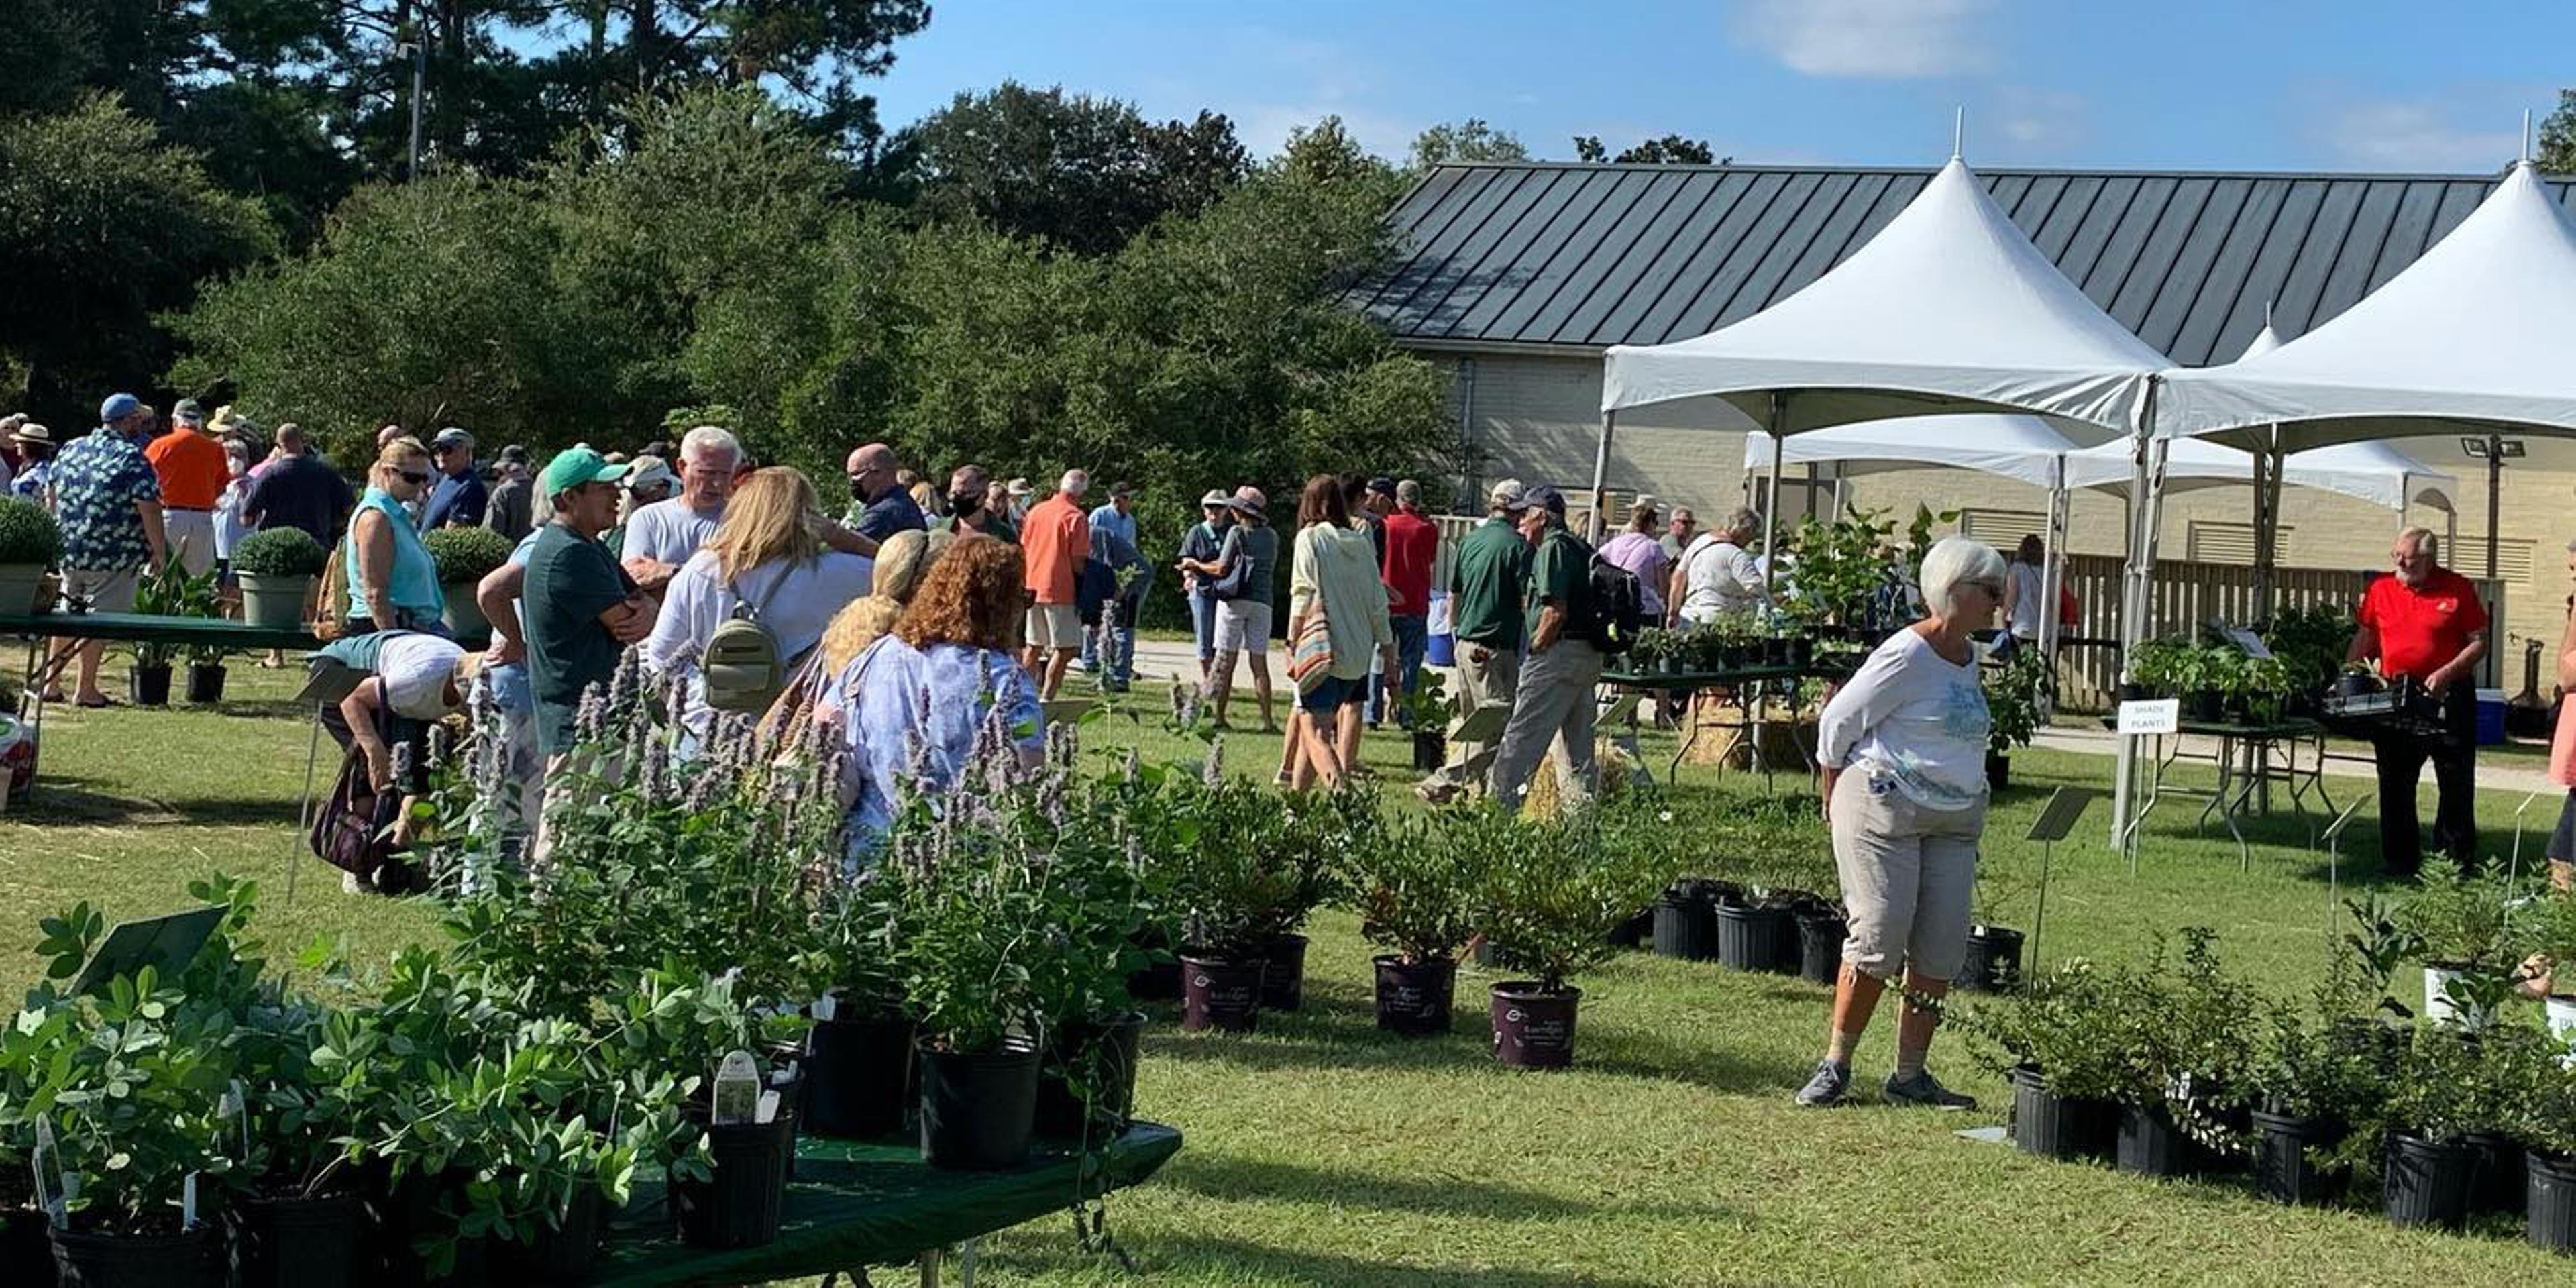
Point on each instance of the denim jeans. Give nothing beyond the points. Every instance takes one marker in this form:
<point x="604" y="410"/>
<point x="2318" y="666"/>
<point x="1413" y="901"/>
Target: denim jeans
<point x="1203" y="623"/>
<point x="1412" y="640"/>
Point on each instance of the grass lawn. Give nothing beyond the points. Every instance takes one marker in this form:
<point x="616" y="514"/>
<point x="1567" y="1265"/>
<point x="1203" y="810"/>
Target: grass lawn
<point x="1323" y="1153"/>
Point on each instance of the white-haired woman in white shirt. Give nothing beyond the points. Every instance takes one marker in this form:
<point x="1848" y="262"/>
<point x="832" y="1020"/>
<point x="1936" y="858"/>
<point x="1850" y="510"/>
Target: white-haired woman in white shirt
<point x="1904" y="753"/>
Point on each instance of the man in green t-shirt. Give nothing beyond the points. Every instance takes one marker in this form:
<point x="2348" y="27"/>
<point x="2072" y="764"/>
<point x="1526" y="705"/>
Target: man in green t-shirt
<point x="1486" y="582"/>
<point x="577" y="609"/>
<point x="971" y="508"/>
<point x="1554" y="702"/>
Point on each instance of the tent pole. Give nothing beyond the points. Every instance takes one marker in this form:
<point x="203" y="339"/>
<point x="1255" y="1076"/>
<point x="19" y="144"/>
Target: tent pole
<point x="2133" y="595"/>
<point x="2269" y="464"/>
<point x="1771" y="506"/>
<point x="1601" y="476"/>
<point x="2053" y="565"/>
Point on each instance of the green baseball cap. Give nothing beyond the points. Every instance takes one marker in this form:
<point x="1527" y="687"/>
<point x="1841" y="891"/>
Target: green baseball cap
<point x="574" y="466"/>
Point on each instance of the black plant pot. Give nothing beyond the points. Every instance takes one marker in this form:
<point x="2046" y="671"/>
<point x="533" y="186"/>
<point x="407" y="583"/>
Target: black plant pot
<point x="1635" y="930"/>
<point x="190" y="1260"/>
<point x="1283" y="979"/>
<point x="2549" y="1201"/>
<point x="2204" y="705"/>
<point x="1754" y="937"/>
<point x="2354" y="684"/>
<point x="295" y="1243"/>
<point x="1064" y="1113"/>
<point x="148" y="686"/>
<point x="1414" y="998"/>
<point x="979" y="1111"/>
<point x="2427" y="1182"/>
<point x="2126" y="692"/>
<point x="1993" y="961"/>
<point x="1674" y="665"/>
<point x="398" y="1216"/>
<point x="1534" y="1029"/>
<point x="1220" y="993"/>
<point x="26" y="1255"/>
<point x="2061" y="1127"/>
<point x="739" y="1206"/>
<point x="1998" y="772"/>
<point x="2153" y="1144"/>
<point x="565" y="1253"/>
<point x="1802" y="651"/>
<point x="1430" y="750"/>
<point x="1160" y="982"/>
<point x="2496" y="1172"/>
<point x="1820" y="947"/>
<point x="1685" y="926"/>
<point x="205" y="683"/>
<point x="857" y="1074"/>
<point x="2285" y="1170"/>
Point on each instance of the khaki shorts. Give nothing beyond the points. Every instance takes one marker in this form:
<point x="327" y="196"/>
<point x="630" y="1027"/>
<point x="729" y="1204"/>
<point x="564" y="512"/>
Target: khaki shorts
<point x="1054" y="626"/>
<point x="1909" y="875"/>
<point x="107" y="592"/>
<point x="1243" y="626"/>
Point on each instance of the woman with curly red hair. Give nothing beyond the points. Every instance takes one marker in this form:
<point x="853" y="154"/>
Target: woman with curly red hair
<point x="909" y="705"/>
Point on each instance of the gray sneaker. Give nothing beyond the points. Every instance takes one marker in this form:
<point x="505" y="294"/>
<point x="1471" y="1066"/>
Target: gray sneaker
<point x="1924" y="1090"/>
<point x="1828" y="1087"/>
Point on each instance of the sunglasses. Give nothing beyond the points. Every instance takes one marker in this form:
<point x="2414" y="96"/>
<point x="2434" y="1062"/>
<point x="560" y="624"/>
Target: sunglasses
<point x="416" y="479"/>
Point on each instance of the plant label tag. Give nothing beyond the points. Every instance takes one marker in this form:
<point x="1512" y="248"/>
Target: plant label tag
<point x="768" y="1107"/>
<point x="56" y="1206"/>
<point x="188" y="1202"/>
<point x="825" y="1007"/>
<point x="237" y="1104"/>
<point x="2153" y="716"/>
<point x="737" y="1090"/>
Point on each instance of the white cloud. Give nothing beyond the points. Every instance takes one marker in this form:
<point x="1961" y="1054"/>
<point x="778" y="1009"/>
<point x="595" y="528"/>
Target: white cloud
<point x="1264" y="127"/>
<point x="2036" y="119"/>
<point x="1869" y="39"/>
<point x="2388" y="134"/>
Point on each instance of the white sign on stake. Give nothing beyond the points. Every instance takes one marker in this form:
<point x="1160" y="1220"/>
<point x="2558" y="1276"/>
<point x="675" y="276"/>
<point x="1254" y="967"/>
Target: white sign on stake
<point x="2154" y="716"/>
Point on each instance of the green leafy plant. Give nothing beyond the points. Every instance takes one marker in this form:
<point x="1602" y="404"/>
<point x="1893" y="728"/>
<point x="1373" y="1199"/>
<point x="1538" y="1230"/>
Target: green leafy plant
<point x="280" y="552"/>
<point x="28" y="535"/>
<point x="465" y="554"/>
<point x="1555" y="888"/>
<point x="2018" y="692"/>
<point x="2160" y="665"/>
<point x="2460" y="919"/>
<point x="2310" y="644"/>
<point x="171" y="592"/>
<point x="1836" y="567"/>
<point x="1415" y="890"/>
<point x="2065" y="1026"/>
<point x="1430" y="707"/>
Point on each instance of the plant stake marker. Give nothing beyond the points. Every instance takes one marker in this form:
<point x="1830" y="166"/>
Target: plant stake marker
<point x="2333" y="838"/>
<point x="2065" y="807"/>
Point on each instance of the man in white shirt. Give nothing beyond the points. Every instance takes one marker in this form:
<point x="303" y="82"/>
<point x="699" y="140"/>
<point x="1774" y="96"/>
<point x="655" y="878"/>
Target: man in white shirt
<point x="1716" y="574"/>
<point x="660" y="537"/>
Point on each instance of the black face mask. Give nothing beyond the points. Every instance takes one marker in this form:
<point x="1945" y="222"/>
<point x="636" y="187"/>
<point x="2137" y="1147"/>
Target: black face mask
<point x="858" y="491"/>
<point x="962" y="504"/>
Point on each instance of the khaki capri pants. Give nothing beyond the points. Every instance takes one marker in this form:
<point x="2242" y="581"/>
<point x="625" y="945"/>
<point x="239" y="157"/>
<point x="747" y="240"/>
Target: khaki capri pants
<point x="1909" y="875"/>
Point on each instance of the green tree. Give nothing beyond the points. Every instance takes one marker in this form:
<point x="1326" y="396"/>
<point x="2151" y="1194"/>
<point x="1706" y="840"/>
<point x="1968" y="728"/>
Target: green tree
<point x="102" y="225"/>
<point x="2558" y="136"/>
<point x="1671" y="149"/>
<point x="1467" y="141"/>
<point x="1083" y="173"/>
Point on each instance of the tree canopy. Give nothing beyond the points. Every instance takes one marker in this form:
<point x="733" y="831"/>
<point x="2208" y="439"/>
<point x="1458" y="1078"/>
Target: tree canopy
<point x="1469" y="140"/>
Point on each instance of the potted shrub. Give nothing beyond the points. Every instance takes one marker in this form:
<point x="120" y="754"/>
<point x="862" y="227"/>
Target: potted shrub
<point x="1427" y="712"/>
<point x="463" y="556"/>
<point x="276" y="568"/>
<point x="1415" y="893"/>
<point x="858" y="1054"/>
<point x="30" y="543"/>
<point x="2018" y="692"/>
<point x="2428" y="1109"/>
<point x="1097" y="902"/>
<point x="2460" y="922"/>
<point x="169" y="592"/>
<point x="1784" y="861"/>
<point x="967" y="949"/>
<point x="2358" y="679"/>
<point x="2059" y="1043"/>
<point x="2552" y="932"/>
<point x="1993" y="961"/>
<point x="2311" y="1078"/>
<point x="2548" y="1126"/>
<point x="2186" y="1032"/>
<point x="671" y="1041"/>
<point x="206" y="673"/>
<point x="1243" y="886"/>
<point x="2266" y="689"/>
<point x="2157" y="669"/>
<point x="1548" y="899"/>
<point x="1685" y="917"/>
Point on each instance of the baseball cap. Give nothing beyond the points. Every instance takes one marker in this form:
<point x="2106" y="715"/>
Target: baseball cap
<point x="1546" y="498"/>
<point x="450" y="437"/>
<point x="648" y="472"/>
<point x="1122" y="489"/>
<point x="188" y="409"/>
<point x="574" y="466"/>
<point x="1383" y="485"/>
<point x="1508" y="495"/>
<point x="1217" y="497"/>
<point x="118" y="407"/>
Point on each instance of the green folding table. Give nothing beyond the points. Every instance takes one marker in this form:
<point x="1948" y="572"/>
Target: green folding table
<point x="859" y="1203"/>
<point x="43" y="669"/>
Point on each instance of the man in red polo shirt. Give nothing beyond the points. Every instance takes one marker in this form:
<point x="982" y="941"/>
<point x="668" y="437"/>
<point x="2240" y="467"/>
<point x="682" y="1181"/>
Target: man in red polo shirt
<point x="2426" y="623"/>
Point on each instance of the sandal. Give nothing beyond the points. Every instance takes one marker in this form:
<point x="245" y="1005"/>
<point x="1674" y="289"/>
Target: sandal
<point x="103" y="703"/>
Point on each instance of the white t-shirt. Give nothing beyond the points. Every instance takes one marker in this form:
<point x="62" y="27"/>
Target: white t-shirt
<point x="1910" y="714"/>
<point x="668" y="531"/>
<point x="1718" y="577"/>
<point x="797" y="600"/>
<point x="2026" y="589"/>
<point x="415" y="668"/>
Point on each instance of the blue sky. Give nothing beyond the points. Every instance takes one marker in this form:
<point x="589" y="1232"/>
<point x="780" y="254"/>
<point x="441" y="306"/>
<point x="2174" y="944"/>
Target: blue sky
<point x="2185" y="84"/>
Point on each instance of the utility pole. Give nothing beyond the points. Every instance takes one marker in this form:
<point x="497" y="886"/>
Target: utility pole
<point x="419" y="78"/>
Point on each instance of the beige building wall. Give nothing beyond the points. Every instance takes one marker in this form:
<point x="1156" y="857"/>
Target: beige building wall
<point x="1536" y="418"/>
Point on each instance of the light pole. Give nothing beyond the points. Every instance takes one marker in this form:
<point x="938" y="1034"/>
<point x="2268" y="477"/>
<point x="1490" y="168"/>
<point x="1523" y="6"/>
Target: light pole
<point x="419" y="76"/>
<point x="2494" y="450"/>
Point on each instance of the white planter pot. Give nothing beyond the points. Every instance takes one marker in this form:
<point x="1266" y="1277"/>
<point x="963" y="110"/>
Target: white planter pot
<point x="2562" y="1026"/>
<point x="2437" y="1003"/>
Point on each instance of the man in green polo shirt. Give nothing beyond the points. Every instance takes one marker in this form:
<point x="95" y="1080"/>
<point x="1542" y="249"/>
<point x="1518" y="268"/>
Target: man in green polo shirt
<point x="577" y="609"/>
<point x="1486" y="582"/>
<point x="1554" y="701"/>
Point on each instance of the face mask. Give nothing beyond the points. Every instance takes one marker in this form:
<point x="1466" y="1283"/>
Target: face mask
<point x="963" y="504"/>
<point x="858" y="491"/>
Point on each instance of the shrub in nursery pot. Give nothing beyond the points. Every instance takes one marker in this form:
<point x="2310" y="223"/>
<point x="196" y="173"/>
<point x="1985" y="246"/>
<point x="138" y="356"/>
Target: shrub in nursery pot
<point x="1548" y="895"/>
<point x="1260" y="865"/>
<point x="2549" y="1200"/>
<point x="278" y="1242"/>
<point x="857" y="1075"/>
<point x="979" y="1108"/>
<point x="2459" y="921"/>
<point x="30" y="542"/>
<point x="275" y="569"/>
<point x="2052" y="1125"/>
<point x="2061" y="1045"/>
<point x="1993" y="961"/>
<point x="738" y="1202"/>
<point x="1754" y="936"/>
<point x="170" y="592"/>
<point x="2432" y="1103"/>
<point x="1087" y="1084"/>
<point x="463" y="557"/>
<point x="1415" y="891"/>
<point x="1685" y="922"/>
<point x="1822" y="929"/>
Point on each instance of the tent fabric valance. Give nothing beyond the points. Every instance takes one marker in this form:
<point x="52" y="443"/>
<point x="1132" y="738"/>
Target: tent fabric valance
<point x="1948" y="309"/>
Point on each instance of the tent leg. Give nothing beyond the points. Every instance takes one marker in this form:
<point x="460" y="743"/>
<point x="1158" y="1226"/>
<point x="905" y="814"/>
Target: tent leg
<point x="1601" y="478"/>
<point x="1771" y="503"/>
<point x="304" y="810"/>
<point x="2268" y="465"/>
<point x="2133" y="601"/>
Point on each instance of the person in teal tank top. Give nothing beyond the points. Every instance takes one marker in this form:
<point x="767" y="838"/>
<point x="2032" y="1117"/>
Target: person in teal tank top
<point x="393" y="583"/>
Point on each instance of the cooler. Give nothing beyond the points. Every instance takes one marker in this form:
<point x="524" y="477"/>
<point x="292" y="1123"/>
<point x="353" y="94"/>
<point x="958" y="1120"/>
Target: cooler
<point x="2490" y="717"/>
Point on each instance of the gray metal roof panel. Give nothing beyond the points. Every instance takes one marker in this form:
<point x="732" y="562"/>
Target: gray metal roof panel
<point x="1551" y="253"/>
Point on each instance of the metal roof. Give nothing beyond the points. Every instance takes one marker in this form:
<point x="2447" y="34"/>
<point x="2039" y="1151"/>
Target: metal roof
<point x="1585" y="256"/>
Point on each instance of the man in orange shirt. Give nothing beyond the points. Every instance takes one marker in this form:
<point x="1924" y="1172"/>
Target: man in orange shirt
<point x="1055" y="539"/>
<point x="2425" y="623"/>
<point x="193" y="471"/>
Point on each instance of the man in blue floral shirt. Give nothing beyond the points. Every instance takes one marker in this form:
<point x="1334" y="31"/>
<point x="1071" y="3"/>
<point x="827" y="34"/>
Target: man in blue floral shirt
<point x="108" y="501"/>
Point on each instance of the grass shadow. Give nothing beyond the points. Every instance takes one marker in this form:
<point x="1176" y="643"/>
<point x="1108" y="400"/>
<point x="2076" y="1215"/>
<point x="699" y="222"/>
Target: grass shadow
<point x="1246" y="1180"/>
<point x="1233" y="1259"/>
<point x="60" y="802"/>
